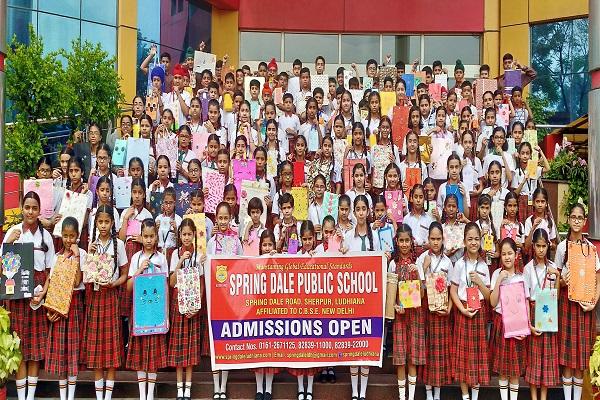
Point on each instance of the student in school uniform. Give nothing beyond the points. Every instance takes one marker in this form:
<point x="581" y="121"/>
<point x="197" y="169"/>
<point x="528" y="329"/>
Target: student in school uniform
<point x="168" y="223"/>
<point x="31" y="325"/>
<point x="541" y="218"/>
<point x="288" y="228"/>
<point x="418" y="219"/>
<point x="524" y="184"/>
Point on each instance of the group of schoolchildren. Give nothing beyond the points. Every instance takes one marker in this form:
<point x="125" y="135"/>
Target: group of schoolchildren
<point x="440" y="347"/>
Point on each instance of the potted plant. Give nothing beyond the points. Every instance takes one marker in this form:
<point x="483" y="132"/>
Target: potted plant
<point x="10" y="351"/>
<point x="567" y="181"/>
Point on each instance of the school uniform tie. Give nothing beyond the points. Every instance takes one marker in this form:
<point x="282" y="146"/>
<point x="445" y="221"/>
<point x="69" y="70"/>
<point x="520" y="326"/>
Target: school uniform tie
<point x="363" y="246"/>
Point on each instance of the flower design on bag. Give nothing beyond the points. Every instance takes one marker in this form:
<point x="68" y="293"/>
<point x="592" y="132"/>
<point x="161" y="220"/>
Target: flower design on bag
<point x="440" y="284"/>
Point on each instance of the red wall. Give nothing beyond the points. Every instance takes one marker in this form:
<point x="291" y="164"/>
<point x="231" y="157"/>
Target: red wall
<point x="362" y="16"/>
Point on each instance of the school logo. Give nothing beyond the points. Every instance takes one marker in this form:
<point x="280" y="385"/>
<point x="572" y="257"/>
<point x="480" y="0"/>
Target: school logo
<point x="221" y="273"/>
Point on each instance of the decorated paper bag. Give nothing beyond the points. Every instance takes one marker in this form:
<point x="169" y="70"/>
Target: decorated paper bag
<point x="482" y="86"/>
<point x="512" y="78"/>
<point x="140" y="148"/>
<point x="334" y="243"/>
<point x="582" y="268"/>
<point x="393" y="201"/>
<point x="388" y="101"/>
<point x="437" y="291"/>
<point x="72" y="205"/>
<point x="156" y="199"/>
<point x="425" y="148"/>
<point x="199" y="220"/>
<point x="386" y="239"/>
<point x="98" y="268"/>
<point x="183" y="194"/>
<point x="409" y="79"/>
<point x="435" y="91"/>
<point x="454" y="236"/>
<point x="387" y="71"/>
<point x="251" y="244"/>
<point x="546" y="310"/>
<point x="272" y="162"/>
<point x="367" y="82"/>
<point x="400" y="125"/>
<point x="204" y="61"/>
<point x="199" y="143"/>
<point x="348" y="168"/>
<point x="243" y="170"/>
<point x="60" y="288"/>
<point x="391" y="295"/>
<point x="44" y="189"/>
<point x="413" y="177"/>
<point x="429" y="206"/>
<point x="515" y="316"/>
<point x="84" y="152"/>
<point x="298" y="173"/>
<point x="250" y="190"/>
<point x="300" y="195"/>
<point x="510" y="231"/>
<point x="215" y="182"/>
<point x="226" y="244"/>
<point x="16" y="281"/>
<point x="321" y="81"/>
<point x="150" y="305"/>
<point x="330" y="205"/>
<point x="382" y="156"/>
<point x="409" y="293"/>
<point x="442" y="149"/>
<point x="455" y="190"/>
<point x="503" y="115"/>
<point x="168" y="146"/>
<point x="189" y="292"/>
<point x="442" y="79"/>
<point x="473" y="300"/>
<point x="497" y="214"/>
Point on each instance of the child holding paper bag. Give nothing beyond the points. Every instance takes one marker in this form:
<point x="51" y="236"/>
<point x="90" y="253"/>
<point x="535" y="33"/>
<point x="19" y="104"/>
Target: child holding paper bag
<point x="470" y="285"/>
<point x="507" y="354"/>
<point x="525" y="178"/>
<point x="540" y="273"/>
<point x="577" y="320"/>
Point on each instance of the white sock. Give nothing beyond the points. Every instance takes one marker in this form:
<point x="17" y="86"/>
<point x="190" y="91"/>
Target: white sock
<point x="259" y="380"/>
<point x="216" y="382"/>
<point x="151" y="383"/>
<point x="436" y="393"/>
<point x="465" y="397"/>
<point x="21" y="388"/>
<point x="514" y="391"/>
<point x="354" y="380"/>
<point x="62" y="389"/>
<point x="301" y="384"/>
<point x="71" y="382"/>
<point x="31" y="386"/>
<point x="99" y="385"/>
<point x="188" y="390"/>
<point x="577" y="388"/>
<point x="402" y="389"/>
<point x="224" y="375"/>
<point x="412" y="384"/>
<point x="364" y="380"/>
<point x="567" y="387"/>
<point x="428" y="392"/>
<point x="503" y="384"/>
<point x="179" y="389"/>
<point x="142" y="380"/>
<point x="110" y="385"/>
<point x="309" y="383"/>
<point x="474" y="392"/>
<point x="269" y="383"/>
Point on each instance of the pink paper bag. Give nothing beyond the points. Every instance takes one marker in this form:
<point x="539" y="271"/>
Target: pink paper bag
<point x="243" y="170"/>
<point x="44" y="189"/>
<point x="435" y="91"/>
<point x="393" y="201"/>
<point x="515" y="316"/>
<point x="199" y="142"/>
<point x="215" y="182"/>
<point x="251" y="245"/>
<point x="333" y="244"/>
<point x="134" y="227"/>
<point x="168" y="146"/>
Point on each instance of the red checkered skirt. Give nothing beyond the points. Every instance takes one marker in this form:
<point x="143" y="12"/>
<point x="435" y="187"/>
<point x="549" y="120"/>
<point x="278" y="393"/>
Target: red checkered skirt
<point x="470" y="354"/>
<point x="267" y="370"/>
<point x="473" y="211"/>
<point x="125" y="299"/>
<point x="409" y="337"/>
<point x="31" y="325"/>
<point x="542" y="358"/>
<point x="303" y="371"/>
<point x="147" y="353"/>
<point x="577" y="332"/>
<point x="103" y="340"/>
<point x="184" y="337"/>
<point x="437" y="370"/>
<point x="525" y="210"/>
<point x="64" y="342"/>
<point x="508" y="355"/>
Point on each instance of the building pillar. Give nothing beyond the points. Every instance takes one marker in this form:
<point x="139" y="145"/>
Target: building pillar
<point x="225" y="36"/>
<point x="594" y="120"/>
<point x="127" y="47"/>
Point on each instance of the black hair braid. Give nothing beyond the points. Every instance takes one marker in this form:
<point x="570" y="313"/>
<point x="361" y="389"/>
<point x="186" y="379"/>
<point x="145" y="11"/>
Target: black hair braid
<point x="43" y="246"/>
<point x="370" y="236"/>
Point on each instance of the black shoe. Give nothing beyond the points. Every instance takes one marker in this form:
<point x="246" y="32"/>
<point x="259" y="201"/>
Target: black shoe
<point x="331" y="375"/>
<point x="268" y="396"/>
<point x="259" y="396"/>
<point x="308" y="396"/>
<point x="362" y="398"/>
<point x="301" y="396"/>
<point x="323" y="376"/>
<point x="354" y="398"/>
<point x="180" y="398"/>
<point x="216" y="396"/>
<point x="223" y="396"/>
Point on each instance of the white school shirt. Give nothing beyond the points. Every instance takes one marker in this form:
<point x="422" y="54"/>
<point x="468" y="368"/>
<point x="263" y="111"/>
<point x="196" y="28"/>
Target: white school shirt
<point x="519" y="175"/>
<point x="499" y="196"/>
<point x="41" y="259"/>
<point x="354" y="242"/>
<point x="171" y="97"/>
<point x="233" y="134"/>
<point x="511" y="279"/>
<point x="461" y="271"/>
<point x="535" y="276"/>
<point x="365" y="155"/>
<point x="185" y="160"/>
<point x="92" y="219"/>
<point x="373" y="125"/>
<point x="82" y="255"/>
<point x="315" y="213"/>
<point x="160" y="189"/>
<point x="310" y="133"/>
<point x="157" y="259"/>
<point x="543" y="225"/>
<point x="561" y="263"/>
<point x="419" y="226"/>
<point x="167" y="238"/>
<point x="404" y="165"/>
<point x="392" y="268"/>
<point x="186" y="263"/>
<point x="140" y="216"/>
<point x="487" y="160"/>
<point x="108" y="249"/>
<point x="352" y="193"/>
<point x="285" y="122"/>
<point x="277" y="231"/>
<point x="438" y="264"/>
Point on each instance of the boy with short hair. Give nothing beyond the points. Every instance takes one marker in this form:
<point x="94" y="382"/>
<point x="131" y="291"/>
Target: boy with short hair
<point x="289" y="122"/>
<point x="288" y="228"/>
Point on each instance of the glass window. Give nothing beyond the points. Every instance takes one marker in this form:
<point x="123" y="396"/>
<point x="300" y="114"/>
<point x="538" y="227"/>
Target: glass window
<point x="57" y="31"/>
<point x="559" y="54"/>
<point x="260" y="46"/>
<point x="69" y="8"/>
<point x="448" y="49"/>
<point x="103" y="11"/>
<point x="18" y="21"/>
<point x="148" y="20"/>
<point x="358" y="49"/>
<point x="31" y="4"/>
<point x="307" y="46"/>
<point x="103" y="34"/>
<point x="402" y="48"/>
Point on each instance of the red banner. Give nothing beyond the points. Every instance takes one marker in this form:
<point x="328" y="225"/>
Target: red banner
<point x="295" y="311"/>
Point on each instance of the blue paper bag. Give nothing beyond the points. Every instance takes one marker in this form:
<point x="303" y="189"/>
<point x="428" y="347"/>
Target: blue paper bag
<point x="183" y="193"/>
<point x="150" y="305"/>
<point x="386" y="239"/>
<point x="455" y="190"/>
<point x="410" y="84"/>
<point x="119" y="152"/>
<point x="546" y="310"/>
